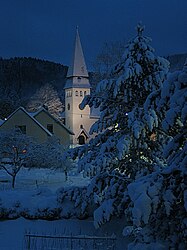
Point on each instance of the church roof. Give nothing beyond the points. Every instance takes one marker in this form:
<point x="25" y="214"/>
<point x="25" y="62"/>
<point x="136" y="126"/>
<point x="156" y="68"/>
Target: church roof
<point x="78" y="66"/>
<point x="77" y="75"/>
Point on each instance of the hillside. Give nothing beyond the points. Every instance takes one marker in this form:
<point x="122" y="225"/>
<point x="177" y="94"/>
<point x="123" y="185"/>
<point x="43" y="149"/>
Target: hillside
<point x="22" y="77"/>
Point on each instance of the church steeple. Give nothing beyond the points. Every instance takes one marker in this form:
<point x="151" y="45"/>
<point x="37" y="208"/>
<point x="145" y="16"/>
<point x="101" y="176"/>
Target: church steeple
<point x="77" y="75"/>
<point x="78" y="66"/>
<point x="76" y="88"/>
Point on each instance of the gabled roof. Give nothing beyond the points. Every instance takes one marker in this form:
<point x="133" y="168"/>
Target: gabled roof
<point x="83" y="131"/>
<point x="57" y="121"/>
<point x="30" y="116"/>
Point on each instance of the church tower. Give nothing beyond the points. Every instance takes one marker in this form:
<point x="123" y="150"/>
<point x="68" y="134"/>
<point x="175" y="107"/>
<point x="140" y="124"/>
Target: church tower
<point x="77" y="86"/>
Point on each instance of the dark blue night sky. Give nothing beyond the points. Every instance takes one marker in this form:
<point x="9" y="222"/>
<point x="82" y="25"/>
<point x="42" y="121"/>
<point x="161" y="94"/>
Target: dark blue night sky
<point x="46" y="28"/>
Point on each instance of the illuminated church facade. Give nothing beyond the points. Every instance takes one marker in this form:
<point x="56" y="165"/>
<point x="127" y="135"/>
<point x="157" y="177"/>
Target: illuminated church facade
<point x="76" y="88"/>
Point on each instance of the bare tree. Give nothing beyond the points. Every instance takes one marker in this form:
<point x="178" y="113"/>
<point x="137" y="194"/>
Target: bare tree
<point x="46" y="96"/>
<point x="15" y="148"/>
<point x="110" y="54"/>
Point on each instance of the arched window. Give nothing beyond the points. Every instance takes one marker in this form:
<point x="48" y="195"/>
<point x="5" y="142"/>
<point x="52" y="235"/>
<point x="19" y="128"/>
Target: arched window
<point x="68" y="106"/>
<point x="81" y="126"/>
<point x="76" y="93"/>
<point x="81" y="140"/>
<point x="81" y="94"/>
<point x="84" y="93"/>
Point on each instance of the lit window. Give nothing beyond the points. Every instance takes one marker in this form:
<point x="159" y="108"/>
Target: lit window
<point x="50" y="128"/>
<point x="153" y="137"/>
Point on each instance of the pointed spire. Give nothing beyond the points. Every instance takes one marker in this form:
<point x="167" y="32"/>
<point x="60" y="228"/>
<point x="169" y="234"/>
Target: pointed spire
<point x="78" y="66"/>
<point x="77" y="76"/>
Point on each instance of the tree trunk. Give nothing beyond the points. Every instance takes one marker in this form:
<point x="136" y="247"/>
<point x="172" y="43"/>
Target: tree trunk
<point x="13" y="181"/>
<point x="66" y="175"/>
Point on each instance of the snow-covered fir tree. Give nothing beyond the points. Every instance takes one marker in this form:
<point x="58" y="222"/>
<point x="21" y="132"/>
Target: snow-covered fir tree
<point x="124" y="128"/>
<point x="126" y="146"/>
<point x="129" y="177"/>
<point x="159" y="200"/>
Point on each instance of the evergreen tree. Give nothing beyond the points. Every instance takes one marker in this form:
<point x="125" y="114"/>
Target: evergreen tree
<point x="125" y="146"/>
<point x="124" y="128"/>
<point x="139" y="112"/>
<point x="159" y="200"/>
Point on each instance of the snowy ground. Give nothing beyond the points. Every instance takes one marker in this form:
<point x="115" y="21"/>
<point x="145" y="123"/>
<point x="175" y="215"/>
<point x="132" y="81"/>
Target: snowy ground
<point x="26" y="190"/>
<point x="29" y="179"/>
<point x="12" y="231"/>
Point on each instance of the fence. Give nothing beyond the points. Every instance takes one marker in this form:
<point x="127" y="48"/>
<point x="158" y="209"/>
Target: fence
<point x="49" y="242"/>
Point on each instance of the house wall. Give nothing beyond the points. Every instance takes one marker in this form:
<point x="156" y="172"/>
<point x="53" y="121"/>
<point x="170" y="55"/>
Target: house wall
<point x="58" y="130"/>
<point x="20" y="118"/>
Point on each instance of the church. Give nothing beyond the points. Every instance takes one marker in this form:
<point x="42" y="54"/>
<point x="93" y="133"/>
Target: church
<point x="41" y="124"/>
<point x="76" y="88"/>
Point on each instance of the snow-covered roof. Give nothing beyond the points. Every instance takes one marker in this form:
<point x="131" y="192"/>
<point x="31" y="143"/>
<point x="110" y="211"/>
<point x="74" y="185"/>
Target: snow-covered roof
<point x="94" y="113"/>
<point x="1" y="122"/>
<point x="78" y="66"/>
<point x="27" y="113"/>
<point x="77" y="75"/>
<point x="63" y="115"/>
<point x="83" y="131"/>
<point x="34" y="114"/>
